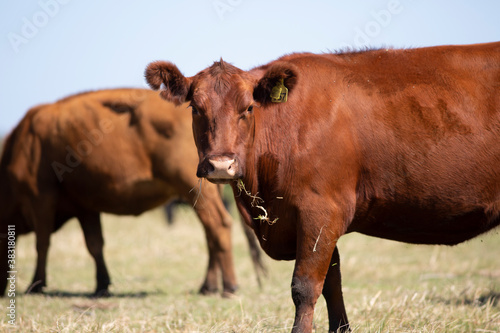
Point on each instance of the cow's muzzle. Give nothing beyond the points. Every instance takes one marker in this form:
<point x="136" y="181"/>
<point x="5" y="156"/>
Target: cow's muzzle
<point x="219" y="169"/>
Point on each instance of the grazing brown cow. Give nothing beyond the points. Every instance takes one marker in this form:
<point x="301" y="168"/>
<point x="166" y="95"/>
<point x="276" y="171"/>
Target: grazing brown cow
<point x="120" y="151"/>
<point x="398" y="144"/>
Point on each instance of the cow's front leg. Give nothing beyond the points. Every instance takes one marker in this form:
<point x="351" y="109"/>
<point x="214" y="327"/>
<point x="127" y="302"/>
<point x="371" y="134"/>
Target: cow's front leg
<point x="92" y="231"/>
<point x="315" y="245"/>
<point x="217" y="224"/>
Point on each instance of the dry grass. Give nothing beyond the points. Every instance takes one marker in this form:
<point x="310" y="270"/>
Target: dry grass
<point x="156" y="271"/>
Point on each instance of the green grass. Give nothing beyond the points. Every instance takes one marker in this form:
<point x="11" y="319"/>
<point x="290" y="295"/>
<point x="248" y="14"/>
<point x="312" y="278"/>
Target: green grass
<point x="156" y="271"/>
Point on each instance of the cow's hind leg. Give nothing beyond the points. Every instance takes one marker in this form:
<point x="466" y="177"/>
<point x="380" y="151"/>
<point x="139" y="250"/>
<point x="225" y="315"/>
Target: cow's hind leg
<point x="332" y="291"/>
<point x="42" y="247"/>
<point x="92" y="231"/>
<point x="41" y="212"/>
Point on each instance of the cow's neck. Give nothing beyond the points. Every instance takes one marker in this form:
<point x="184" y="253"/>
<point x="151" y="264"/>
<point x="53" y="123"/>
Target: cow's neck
<point x="260" y="192"/>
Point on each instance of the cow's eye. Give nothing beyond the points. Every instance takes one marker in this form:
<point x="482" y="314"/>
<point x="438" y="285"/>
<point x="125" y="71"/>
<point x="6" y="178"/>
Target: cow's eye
<point x="194" y="110"/>
<point x="250" y="109"/>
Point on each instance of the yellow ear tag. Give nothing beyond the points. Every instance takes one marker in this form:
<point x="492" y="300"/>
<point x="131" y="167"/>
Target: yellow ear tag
<point x="279" y="94"/>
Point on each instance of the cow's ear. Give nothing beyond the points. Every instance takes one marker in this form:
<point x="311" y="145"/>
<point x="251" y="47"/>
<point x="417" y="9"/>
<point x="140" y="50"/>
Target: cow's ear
<point x="277" y="82"/>
<point x="169" y="79"/>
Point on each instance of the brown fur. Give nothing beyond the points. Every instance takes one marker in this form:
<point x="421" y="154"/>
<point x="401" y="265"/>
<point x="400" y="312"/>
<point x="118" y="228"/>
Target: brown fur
<point x="398" y="144"/>
<point x="166" y="73"/>
<point x="119" y="151"/>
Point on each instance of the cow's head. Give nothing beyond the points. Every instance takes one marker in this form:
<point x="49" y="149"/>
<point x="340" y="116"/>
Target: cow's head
<point x="223" y="99"/>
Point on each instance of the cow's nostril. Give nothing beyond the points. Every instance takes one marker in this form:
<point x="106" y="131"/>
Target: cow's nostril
<point x="204" y="169"/>
<point x="223" y="168"/>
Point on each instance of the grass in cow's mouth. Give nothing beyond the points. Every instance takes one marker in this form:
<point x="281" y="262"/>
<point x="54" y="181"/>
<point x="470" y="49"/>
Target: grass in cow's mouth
<point x="256" y="202"/>
<point x="198" y="191"/>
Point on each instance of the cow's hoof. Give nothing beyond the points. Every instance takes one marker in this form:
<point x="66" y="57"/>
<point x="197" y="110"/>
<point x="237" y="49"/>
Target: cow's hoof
<point x="229" y="292"/>
<point x="35" y="288"/>
<point x="207" y="290"/>
<point x="102" y="293"/>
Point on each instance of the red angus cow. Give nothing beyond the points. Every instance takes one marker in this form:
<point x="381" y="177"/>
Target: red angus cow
<point x="398" y="144"/>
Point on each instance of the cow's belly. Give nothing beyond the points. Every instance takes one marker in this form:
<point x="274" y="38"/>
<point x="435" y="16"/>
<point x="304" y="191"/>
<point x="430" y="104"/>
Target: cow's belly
<point x="131" y="198"/>
<point x="424" y="226"/>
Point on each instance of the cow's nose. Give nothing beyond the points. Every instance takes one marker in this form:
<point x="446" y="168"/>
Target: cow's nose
<point x="219" y="169"/>
<point x="224" y="168"/>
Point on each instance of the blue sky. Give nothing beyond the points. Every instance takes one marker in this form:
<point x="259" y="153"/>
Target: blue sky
<point x="53" y="48"/>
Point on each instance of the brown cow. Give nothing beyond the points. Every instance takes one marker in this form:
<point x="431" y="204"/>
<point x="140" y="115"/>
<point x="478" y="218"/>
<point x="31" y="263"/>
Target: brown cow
<point x="120" y="151"/>
<point x="398" y="144"/>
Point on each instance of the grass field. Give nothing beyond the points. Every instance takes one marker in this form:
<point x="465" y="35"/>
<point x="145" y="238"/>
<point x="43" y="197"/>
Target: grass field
<point x="156" y="271"/>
